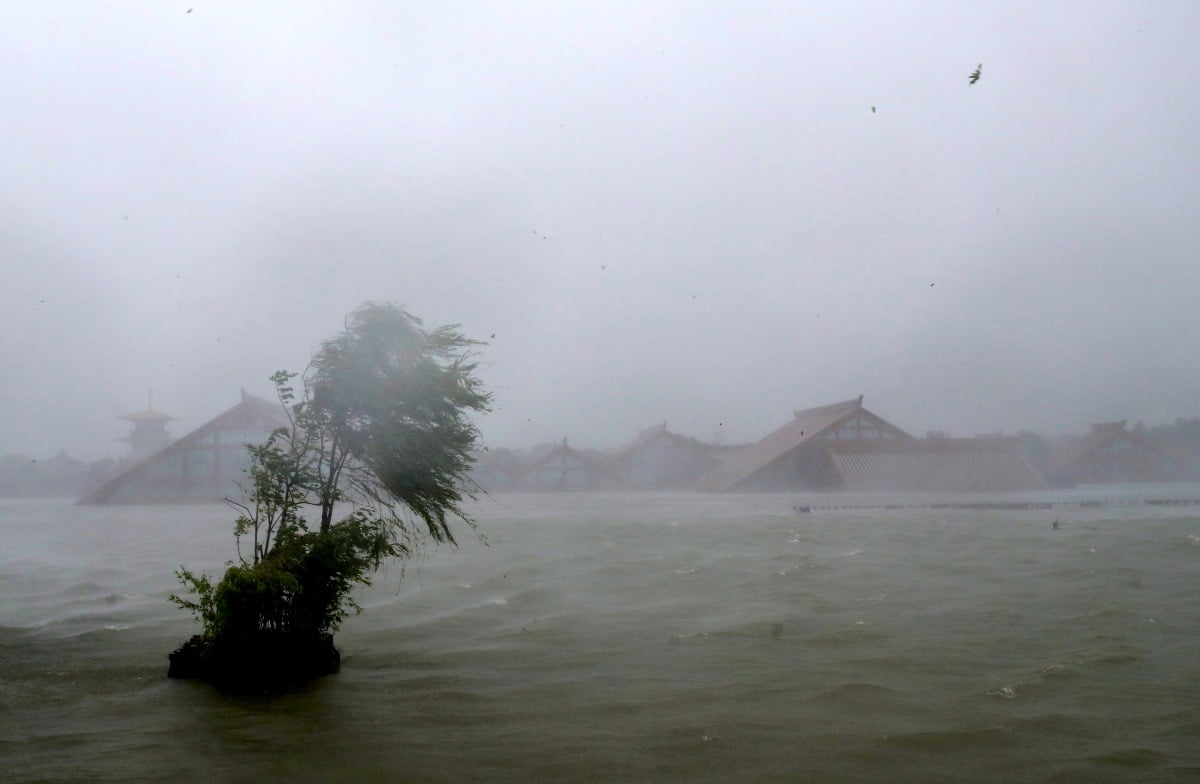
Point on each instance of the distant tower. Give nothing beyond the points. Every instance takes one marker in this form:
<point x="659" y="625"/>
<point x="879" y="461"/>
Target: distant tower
<point x="149" y="433"/>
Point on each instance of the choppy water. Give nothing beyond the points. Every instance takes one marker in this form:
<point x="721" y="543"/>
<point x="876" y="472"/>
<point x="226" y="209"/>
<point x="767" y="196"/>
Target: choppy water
<point x="636" y="638"/>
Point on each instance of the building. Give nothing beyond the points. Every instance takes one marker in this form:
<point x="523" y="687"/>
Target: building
<point x="985" y="464"/>
<point x="658" y="458"/>
<point x="564" y="468"/>
<point x="843" y="446"/>
<point x="1112" y="453"/>
<point x="495" y="471"/>
<point x="149" y="434"/>
<point x="795" y="457"/>
<point x="205" y="465"/>
<point x="57" y="477"/>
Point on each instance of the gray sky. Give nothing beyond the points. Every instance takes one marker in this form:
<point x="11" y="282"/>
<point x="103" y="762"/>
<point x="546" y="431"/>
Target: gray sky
<point x="663" y="211"/>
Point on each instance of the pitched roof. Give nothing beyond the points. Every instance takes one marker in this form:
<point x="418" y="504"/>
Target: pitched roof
<point x="979" y="465"/>
<point x="503" y="461"/>
<point x="643" y="437"/>
<point x="650" y="434"/>
<point x="1102" y="434"/>
<point x="566" y="457"/>
<point x="250" y="413"/>
<point x="806" y="426"/>
<point x="563" y="452"/>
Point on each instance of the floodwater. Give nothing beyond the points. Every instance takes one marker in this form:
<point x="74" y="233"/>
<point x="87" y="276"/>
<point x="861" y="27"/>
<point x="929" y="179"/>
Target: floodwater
<point x="639" y="638"/>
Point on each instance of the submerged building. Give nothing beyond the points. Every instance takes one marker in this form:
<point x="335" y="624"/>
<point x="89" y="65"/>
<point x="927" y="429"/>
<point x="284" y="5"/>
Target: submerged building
<point x="986" y="464"/>
<point x="657" y="458"/>
<point x="205" y="465"/>
<point x="564" y="468"/>
<point x="795" y="457"/>
<point x="494" y="471"/>
<point x="149" y="433"/>
<point x="843" y="446"/>
<point x="1112" y="453"/>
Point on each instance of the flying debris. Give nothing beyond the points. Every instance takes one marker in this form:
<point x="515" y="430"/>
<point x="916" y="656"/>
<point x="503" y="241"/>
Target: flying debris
<point x="974" y="77"/>
<point x="872" y="110"/>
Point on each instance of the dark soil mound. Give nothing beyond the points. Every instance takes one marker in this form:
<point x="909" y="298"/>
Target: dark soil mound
<point x="265" y="662"/>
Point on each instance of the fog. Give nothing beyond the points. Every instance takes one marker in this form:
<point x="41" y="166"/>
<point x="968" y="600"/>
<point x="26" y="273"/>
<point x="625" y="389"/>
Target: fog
<point x="709" y="214"/>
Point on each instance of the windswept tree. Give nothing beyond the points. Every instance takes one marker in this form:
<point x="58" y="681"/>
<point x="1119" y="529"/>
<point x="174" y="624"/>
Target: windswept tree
<point x="373" y="462"/>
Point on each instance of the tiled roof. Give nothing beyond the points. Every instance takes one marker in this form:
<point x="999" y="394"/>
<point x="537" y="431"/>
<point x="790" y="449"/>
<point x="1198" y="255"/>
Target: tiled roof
<point x="564" y="457"/>
<point x="650" y="434"/>
<point x="643" y="437"/>
<point x="805" y="426"/>
<point x="1103" y="433"/>
<point x="252" y="411"/>
<point x="934" y="465"/>
<point x="564" y="454"/>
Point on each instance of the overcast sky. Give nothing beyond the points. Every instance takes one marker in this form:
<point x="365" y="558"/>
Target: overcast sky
<point x="705" y="213"/>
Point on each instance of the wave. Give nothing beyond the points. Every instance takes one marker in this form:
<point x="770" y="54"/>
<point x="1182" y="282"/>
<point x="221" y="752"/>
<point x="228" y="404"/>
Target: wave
<point x="610" y="643"/>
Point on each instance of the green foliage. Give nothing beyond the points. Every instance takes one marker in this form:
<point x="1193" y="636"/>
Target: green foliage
<point x="302" y="587"/>
<point x="204" y="609"/>
<point x="395" y="401"/>
<point x="381" y="435"/>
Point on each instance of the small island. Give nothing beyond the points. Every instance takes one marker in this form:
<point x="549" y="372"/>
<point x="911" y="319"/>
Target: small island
<point x="376" y="452"/>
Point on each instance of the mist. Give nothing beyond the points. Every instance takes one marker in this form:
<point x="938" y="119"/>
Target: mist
<point x="705" y="215"/>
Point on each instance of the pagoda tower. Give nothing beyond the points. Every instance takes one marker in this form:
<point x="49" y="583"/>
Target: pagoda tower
<point x="149" y="433"/>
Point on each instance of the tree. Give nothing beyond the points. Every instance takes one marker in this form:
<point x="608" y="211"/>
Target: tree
<point x="377" y="450"/>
